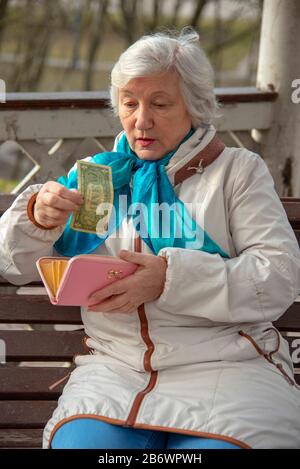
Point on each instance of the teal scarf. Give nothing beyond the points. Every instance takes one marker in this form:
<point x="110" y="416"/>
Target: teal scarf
<point x="159" y="217"/>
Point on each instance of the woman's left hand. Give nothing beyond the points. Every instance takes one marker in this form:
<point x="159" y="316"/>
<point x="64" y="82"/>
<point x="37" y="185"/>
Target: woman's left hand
<point x="126" y="295"/>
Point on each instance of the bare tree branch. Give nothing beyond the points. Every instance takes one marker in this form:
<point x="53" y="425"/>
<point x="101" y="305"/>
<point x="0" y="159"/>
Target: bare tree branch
<point x="96" y="37"/>
<point x="129" y="9"/>
<point x="176" y="11"/>
<point x="234" y="38"/>
<point x="27" y="74"/>
<point x="198" y="11"/>
<point x="129" y="26"/>
<point x="77" y="23"/>
<point x="156" y="15"/>
<point x="3" y="13"/>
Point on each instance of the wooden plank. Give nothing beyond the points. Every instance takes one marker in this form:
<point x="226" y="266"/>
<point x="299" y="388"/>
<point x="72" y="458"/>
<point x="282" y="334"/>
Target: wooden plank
<point x="242" y="116"/>
<point x="21" y="438"/>
<point x="98" y="99"/>
<point x="31" y="414"/>
<point x="36" y="309"/>
<point x="292" y="208"/>
<point x="244" y="94"/>
<point x="297" y="234"/>
<point x="57" y="100"/>
<point x="6" y="283"/>
<point x="290" y="321"/>
<point x="31" y="383"/>
<point x="61" y="124"/>
<point x="42" y="345"/>
<point x="25" y="414"/>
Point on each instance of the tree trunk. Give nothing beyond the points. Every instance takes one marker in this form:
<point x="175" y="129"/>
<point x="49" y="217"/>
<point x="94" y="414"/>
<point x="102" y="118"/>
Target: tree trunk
<point x="197" y="13"/>
<point x="96" y="37"/>
<point x="3" y="12"/>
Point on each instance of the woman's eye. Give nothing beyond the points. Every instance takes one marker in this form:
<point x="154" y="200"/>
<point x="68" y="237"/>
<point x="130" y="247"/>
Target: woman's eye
<point x="160" y="105"/>
<point x="129" y="104"/>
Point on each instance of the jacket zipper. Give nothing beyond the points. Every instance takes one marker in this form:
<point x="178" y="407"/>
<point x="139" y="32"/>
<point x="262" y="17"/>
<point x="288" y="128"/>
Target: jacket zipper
<point x="131" y="419"/>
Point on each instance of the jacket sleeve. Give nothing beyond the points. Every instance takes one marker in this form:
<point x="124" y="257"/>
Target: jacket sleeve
<point x="262" y="281"/>
<point x="22" y="243"/>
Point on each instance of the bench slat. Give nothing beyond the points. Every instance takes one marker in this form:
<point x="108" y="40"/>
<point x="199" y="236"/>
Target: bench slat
<point x="42" y="345"/>
<point x="25" y="414"/>
<point x="21" y="438"/>
<point x="297" y="234"/>
<point x="290" y="321"/>
<point x="5" y="283"/>
<point x="292" y="208"/>
<point x="32" y="414"/>
<point x="31" y="382"/>
<point x="36" y="309"/>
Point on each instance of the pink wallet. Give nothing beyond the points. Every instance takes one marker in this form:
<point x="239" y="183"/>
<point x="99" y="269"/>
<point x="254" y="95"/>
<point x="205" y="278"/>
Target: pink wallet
<point x="70" y="281"/>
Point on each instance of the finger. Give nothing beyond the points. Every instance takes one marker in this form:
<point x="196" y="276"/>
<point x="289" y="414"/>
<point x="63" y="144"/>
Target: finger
<point x="55" y="214"/>
<point x="53" y="200"/>
<point x="116" y="288"/>
<point x="114" y="303"/>
<point x="135" y="257"/>
<point x="128" y="308"/>
<point x="49" y="221"/>
<point x="77" y="194"/>
<point x="68" y="194"/>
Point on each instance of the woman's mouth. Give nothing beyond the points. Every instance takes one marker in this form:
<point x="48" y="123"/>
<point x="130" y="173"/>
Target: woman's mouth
<point x="145" y="142"/>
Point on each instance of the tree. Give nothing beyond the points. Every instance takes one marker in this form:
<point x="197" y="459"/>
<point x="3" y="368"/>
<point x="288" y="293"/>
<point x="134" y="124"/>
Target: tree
<point x="96" y="35"/>
<point x="128" y="23"/>
<point x="3" y="13"/>
<point x="33" y="44"/>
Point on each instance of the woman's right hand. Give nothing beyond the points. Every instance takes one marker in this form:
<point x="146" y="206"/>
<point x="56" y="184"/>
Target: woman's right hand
<point x="55" y="203"/>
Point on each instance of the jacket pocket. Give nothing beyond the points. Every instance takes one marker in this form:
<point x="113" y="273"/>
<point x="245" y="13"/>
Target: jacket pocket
<point x="238" y="348"/>
<point x="270" y="340"/>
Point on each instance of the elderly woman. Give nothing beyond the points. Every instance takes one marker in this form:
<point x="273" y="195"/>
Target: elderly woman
<point x="183" y="353"/>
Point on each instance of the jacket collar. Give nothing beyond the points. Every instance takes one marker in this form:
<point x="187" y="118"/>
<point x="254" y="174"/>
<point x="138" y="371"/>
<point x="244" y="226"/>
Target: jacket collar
<point x="197" y="142"/>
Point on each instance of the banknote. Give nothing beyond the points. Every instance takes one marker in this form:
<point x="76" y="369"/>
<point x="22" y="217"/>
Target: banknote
<point x="95" y="185"/>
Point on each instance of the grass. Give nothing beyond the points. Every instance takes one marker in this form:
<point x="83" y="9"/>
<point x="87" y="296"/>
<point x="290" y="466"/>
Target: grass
<point x="7" y="185"/>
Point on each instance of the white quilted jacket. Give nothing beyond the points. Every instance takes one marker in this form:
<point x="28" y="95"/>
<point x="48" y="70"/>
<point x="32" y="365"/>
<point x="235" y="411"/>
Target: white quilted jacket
<point x="197" y="360"/>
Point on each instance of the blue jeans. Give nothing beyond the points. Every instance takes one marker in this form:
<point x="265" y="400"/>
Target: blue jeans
<point x="89" y="433"/>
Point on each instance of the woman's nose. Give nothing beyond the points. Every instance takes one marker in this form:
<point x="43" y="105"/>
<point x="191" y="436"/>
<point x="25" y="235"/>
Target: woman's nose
<point x="144" y="119"/>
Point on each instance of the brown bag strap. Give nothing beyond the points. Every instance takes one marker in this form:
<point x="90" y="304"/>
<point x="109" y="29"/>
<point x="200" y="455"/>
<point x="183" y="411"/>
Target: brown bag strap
<point x="204" y="158"/>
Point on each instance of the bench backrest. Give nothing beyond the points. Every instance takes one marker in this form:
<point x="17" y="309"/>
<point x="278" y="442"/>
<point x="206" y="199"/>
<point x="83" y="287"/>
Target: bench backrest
<point x="39" y="342"/>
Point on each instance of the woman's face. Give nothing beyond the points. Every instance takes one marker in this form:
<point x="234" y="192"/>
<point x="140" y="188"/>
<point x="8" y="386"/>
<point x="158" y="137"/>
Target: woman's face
<point x="153" y="114"/>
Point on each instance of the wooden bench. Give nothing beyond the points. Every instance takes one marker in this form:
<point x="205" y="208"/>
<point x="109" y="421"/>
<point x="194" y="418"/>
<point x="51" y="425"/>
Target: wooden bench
<point x="26" y="402"/>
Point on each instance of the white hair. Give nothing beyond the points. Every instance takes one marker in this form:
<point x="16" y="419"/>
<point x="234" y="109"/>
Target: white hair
<point x="160" y="52"/>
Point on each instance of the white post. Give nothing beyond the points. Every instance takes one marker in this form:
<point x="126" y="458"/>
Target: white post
<point x="278" y="68"/>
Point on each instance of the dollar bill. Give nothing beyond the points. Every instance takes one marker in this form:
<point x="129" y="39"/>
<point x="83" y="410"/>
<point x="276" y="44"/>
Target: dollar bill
<point x="95" y="185"/>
